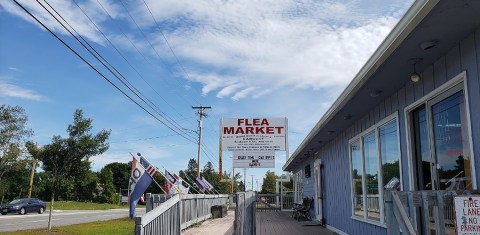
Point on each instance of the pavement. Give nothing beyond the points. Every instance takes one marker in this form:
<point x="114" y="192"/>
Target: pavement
<point x="15" y="222"/>
<point x="220" y="226"/>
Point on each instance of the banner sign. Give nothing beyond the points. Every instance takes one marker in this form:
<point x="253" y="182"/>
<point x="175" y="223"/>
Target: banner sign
<point x="467" y="214"/>
<point x="245" y="159"/>
<point x="253" y="134"/>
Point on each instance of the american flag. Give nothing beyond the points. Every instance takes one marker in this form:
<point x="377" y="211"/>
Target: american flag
<point x="149" y="168"/>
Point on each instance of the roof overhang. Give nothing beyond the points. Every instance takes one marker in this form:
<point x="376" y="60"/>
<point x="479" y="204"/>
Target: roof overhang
<point x="444" y="22"/>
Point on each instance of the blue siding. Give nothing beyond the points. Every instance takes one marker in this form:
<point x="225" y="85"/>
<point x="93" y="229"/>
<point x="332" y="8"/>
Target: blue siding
<point x="337" y="209"/>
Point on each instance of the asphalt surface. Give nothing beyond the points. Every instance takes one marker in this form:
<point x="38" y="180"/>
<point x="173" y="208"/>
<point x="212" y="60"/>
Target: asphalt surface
<point x="15" y="222"/>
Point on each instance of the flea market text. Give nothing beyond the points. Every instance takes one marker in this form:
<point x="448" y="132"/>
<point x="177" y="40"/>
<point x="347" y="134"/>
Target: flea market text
<point x="253" y="126"/>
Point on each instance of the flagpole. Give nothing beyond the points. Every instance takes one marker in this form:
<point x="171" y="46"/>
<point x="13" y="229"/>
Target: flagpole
<point x="150" y="176"/>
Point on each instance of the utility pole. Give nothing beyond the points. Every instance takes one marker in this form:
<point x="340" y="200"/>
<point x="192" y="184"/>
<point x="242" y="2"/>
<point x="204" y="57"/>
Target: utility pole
<point x="252" y="182"/>
<point x="244" y="179"/>
<point x="201" y="113"/>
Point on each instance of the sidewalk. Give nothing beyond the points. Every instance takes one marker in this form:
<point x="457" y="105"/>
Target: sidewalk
<point x="220" y="226"/>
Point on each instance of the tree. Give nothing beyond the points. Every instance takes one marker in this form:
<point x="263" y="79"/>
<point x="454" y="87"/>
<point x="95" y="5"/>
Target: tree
<point x="62" y="157"/>
<point x="108" y="191"/>
<point x="13" y="132"/>
<point x="121" y="174"/>
<point x="269" y="182"/>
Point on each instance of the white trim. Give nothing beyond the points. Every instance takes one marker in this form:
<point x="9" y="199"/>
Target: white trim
<point x="469" y="129"/>
<point x="461" y="77"/>
<point x="336" y="230"/>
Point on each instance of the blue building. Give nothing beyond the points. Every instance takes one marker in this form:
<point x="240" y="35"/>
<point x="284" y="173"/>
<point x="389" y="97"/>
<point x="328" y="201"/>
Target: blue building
<point x="411" y="113"/>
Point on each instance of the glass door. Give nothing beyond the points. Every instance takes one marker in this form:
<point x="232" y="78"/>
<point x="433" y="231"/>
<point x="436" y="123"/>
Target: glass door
<point x="450" y="142"/>
<point x="441" y="144"/>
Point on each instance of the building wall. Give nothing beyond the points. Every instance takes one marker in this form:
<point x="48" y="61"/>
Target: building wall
<point x="335" y="156"/>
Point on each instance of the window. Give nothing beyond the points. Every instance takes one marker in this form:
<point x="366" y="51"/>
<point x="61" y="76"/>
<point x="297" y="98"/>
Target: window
<point x="374" y="162"/>
<point x="298" y="187"/>
<point x="307" y="171"/>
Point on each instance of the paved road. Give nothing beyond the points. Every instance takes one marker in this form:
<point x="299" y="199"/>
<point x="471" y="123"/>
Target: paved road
<point x="14" y="222"/>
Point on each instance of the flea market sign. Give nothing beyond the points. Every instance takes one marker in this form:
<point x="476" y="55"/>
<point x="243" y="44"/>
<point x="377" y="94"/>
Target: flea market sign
<point x="253" y="140"/>
<point x="467" y="214"/>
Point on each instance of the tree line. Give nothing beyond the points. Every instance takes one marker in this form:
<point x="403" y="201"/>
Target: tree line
<point x="62" y="169"/>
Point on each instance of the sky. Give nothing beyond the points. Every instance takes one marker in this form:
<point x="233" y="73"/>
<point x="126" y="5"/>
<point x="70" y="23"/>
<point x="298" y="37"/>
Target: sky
<point x="154" y="60"/>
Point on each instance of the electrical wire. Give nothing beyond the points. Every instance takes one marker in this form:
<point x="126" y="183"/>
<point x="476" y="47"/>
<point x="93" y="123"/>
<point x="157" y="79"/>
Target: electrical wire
<point x="89" y="64"/>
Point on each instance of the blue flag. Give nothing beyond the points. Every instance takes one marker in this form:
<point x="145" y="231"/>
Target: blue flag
<point x="141" y="178"/>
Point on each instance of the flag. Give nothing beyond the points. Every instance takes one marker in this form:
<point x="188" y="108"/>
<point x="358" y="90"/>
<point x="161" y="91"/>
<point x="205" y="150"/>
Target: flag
<point x="141" y="177"/>
<point x="173" y="183"/>
<point x="183" y="186"/>
<point x="209" y="186"/>
<point x="201" y="185"/>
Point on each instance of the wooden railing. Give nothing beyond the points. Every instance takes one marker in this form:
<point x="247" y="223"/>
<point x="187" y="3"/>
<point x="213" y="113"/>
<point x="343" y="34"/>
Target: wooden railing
<point x="176" y="213"/>
<point x="421" y="212"/>
<point x="245" y="214"/>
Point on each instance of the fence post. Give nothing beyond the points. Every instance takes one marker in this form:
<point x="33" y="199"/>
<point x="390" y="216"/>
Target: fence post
<point x="149" y="202"/>
<point x="392" y="224"/>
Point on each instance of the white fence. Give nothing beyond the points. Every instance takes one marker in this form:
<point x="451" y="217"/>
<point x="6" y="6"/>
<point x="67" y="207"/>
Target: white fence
<point x="176" y="212"/>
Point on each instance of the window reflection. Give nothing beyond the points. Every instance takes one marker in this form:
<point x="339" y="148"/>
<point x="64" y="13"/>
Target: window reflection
<point x="388" y="138"/>
<point x="371" y="173"/>
<point x="451" y="143"/>
<point x="357" y="172"/>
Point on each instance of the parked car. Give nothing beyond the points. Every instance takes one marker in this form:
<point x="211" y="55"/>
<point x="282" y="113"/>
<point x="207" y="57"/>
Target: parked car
<point x="23" y="206"/>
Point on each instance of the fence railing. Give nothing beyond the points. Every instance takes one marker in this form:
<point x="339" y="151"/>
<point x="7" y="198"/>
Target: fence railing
<point x="267" y="202"/>
<point x="421" y="212"/>
<point x="245" y="214"/>
<point x="170" y="214"/>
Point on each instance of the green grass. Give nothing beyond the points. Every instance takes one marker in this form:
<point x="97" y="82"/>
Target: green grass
<point x="114" y="227"/>
<point x="70" y="205"/>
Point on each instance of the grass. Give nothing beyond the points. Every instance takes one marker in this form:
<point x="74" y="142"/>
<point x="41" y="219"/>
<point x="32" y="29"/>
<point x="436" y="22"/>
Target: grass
<point x="114" y="227"/>
<point x="71" y="205"/>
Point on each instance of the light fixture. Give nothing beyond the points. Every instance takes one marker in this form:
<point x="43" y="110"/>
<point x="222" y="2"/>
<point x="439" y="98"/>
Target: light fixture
<point x="415" y="77"/>
<point x="375" y="93"/>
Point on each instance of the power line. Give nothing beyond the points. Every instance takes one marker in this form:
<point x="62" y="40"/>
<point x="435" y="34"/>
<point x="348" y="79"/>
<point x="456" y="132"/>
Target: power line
<point x="162" y="114"/>
<point x="88" y="63"/>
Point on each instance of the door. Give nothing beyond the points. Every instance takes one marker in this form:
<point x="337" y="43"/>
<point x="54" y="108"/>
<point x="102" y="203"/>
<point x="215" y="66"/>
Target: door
<point x="441" y="148"/>
<point x="318" y="191"/>
<point x="441" y="143"/>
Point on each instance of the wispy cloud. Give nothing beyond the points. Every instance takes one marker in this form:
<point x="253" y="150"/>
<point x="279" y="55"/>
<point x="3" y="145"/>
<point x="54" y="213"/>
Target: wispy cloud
<point x="240" y="49"/>
<point x="14" y="69"/>
<point x="9" y="90"/>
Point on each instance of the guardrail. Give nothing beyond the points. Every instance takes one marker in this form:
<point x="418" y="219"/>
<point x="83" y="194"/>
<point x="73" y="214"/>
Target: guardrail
<point x="245" y="214"/>
<point x="421" y="212"/>
<point x="176" y="212"/>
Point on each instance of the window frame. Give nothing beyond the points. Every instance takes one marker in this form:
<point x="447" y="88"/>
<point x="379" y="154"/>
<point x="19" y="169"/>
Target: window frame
<point x="359" y="137"/>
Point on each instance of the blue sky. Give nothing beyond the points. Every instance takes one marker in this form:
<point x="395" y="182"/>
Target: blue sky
<point x="272" y="58"/>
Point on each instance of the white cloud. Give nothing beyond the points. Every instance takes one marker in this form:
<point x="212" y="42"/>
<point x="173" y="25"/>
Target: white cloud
<point x="9" y="90"/>
<point x="234" y="48"/>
